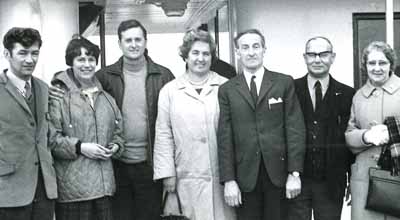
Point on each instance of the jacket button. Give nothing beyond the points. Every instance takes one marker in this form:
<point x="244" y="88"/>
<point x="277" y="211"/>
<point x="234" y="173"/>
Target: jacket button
<point x="315" y="122"/>
<point x="32" y="124"/>
<point x="36" y="163"/>
<point x="203" y="140"/>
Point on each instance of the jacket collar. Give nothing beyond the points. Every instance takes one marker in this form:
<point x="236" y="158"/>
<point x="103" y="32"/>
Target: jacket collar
<point x="65" y="78"/>
<point x="214" y="81"/>
<point x="116" y="68"/>
<point x="40" y="95"/>
<point x="391" y="86"/>
<point x="243" y="88"/>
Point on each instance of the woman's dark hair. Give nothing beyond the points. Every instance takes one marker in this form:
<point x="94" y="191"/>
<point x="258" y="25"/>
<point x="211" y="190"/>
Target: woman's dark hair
<point x="74" y="49"/>
<point x="193" y="36"/>
<point x="25" y="36"/>
<point x="381" y="47"/>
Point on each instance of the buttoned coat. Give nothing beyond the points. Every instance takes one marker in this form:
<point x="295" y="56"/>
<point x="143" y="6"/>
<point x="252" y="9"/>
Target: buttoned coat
<point x="186" y="147"/>
<point x="338" y="99"/>
<point x="370" y="107"/>
<point x="23" y="145"/>
<point x="272" y="128"/>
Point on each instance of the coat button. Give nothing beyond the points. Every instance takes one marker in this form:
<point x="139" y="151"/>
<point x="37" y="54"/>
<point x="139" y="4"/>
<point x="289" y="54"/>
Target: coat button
<point x="32" y="124"/>
<point x="315" y="122"/>
<point x="203" y="140"/>
<point x="36" y="163"/>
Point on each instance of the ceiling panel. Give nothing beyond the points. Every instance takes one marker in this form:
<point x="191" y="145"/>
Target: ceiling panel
<point x="150" y="15"/>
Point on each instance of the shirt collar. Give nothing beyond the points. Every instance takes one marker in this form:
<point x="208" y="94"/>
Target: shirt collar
<point x="259" y="74"/>
<point x="390" y="86"/>
<point x="17" y="82"/>
<point x="312" y="80"/>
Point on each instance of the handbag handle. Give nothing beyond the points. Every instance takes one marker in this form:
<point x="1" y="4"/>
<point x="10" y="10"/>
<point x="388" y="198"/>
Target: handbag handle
<point x="164" y="201"/>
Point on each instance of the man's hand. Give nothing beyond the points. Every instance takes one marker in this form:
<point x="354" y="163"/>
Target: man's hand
<point x="56" y="93"/>
<point x="232" y="194"/>
<point x="95" y="151"/>
<point x="293" y="186"/>
<point x="170" y="184"/>
<point x="377" y="135"/>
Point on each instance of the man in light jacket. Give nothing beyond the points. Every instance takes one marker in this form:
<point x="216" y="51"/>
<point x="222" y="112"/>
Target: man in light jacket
<point x="27" y="176"/>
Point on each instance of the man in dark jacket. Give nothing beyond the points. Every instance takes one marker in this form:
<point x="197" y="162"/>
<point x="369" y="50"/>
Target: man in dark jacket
<point x="135" y="81"/>
<point x="326" y="107"/>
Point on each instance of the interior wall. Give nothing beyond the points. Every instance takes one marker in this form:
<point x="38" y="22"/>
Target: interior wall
<point x="56" y="20"/>
<point x="288" y="24"/>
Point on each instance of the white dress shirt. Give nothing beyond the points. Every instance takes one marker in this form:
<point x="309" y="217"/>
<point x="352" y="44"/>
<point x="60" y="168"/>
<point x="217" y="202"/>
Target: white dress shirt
<point x="311" y="86"/>
<point x="258" y="80"/>
<point x="18" y="83"/>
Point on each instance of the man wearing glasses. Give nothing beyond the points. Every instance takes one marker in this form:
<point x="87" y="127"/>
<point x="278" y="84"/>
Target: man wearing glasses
<point x="326" y="108"/>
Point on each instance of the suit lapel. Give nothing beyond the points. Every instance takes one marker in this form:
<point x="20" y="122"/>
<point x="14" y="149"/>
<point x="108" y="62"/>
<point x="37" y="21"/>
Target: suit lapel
<point x="12" y="90"/>
<point x="266" y="84"/>
<point x="243" y="89"/>
<point x="304" y="93"/>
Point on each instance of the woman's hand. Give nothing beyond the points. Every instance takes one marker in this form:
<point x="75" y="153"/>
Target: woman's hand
<point x="95" y="151"/>
<point x="377" y="135"/>
<point x="170" y="184"/>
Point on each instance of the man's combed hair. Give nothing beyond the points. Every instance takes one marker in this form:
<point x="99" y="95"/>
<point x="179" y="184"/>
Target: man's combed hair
<point x="25" y="36"/>
<point x="128" y="24"/>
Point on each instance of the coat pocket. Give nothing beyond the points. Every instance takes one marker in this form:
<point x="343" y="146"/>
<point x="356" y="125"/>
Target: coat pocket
<point x="6" y="169"/>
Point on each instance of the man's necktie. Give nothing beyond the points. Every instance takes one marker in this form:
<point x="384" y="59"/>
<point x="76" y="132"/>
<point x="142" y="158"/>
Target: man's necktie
<point x="318" y="95"/>
<point x="253" y="89"/>
<point x="28" y="90"/>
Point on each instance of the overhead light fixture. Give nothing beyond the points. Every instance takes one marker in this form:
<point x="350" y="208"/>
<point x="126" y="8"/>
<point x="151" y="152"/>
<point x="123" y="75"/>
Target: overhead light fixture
<point x="175" y="8"/>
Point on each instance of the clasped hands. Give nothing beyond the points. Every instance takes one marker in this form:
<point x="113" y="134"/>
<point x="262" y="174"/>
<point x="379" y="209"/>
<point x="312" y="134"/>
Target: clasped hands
<point x="96" y="151"/>
<point x="377" y="135"/>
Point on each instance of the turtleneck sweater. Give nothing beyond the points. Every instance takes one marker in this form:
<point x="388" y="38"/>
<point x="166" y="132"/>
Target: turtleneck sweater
<point x="134" y="111"/>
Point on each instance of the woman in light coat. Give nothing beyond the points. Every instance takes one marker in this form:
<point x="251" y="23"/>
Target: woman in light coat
<point x="88" y="132"/>
<point x="185" y="152"/>
<point x="376" y="100"/>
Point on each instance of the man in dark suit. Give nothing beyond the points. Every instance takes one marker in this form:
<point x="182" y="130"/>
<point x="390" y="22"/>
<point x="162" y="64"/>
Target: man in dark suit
<point x="27" y="176"/>
<point x="326" y="107"/>
<point x="261" y="135"/>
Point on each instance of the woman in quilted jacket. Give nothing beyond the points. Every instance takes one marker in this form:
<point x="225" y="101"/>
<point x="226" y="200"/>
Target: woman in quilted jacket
<point x="86" y="134"/>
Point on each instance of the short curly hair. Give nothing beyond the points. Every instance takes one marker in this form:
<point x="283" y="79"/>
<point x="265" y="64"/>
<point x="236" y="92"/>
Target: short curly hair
<point x="381" y="47"/>
<point x="74" y="49"/>
<point x="193" y="36"/>
<point x="25" y="36"/>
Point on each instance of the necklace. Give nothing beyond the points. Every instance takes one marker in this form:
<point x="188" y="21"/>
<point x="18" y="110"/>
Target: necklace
<point x="199" y="83"/>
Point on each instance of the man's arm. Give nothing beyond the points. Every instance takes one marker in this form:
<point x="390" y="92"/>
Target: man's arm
<point x="226" y="150"/>
<point x="226" y="156"/>
<point x="295" y="139"/>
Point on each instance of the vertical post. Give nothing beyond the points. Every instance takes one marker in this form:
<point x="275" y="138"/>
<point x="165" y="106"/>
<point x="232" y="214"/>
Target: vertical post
<point x="216" y="27"/>
<point x="232" y="23"/>
<point x="102" y="38"/>
<point x="389" y="23"/>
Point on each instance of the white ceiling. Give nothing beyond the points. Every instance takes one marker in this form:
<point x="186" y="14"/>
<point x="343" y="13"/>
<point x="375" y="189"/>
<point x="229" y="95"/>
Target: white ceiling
<point x="150" y="15"/>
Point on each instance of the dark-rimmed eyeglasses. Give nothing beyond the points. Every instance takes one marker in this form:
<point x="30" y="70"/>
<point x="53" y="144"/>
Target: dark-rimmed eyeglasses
<point x="321" y="55"/>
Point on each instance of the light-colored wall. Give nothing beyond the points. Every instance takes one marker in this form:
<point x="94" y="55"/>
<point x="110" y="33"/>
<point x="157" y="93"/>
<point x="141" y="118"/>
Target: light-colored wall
<point x="56" y="21"/>
<point x="288" y="24"/>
